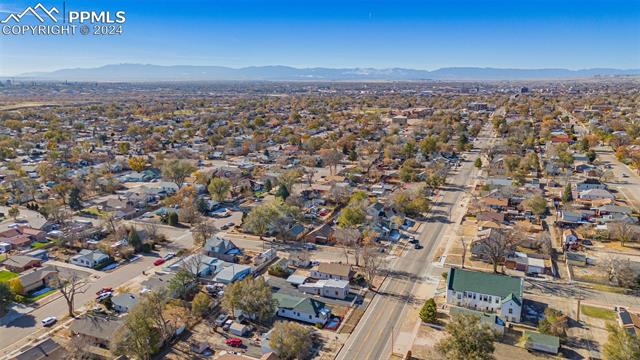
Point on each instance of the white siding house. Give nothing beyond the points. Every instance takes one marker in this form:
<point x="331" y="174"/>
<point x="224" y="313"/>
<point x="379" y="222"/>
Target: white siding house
<point x="486" y="292"/>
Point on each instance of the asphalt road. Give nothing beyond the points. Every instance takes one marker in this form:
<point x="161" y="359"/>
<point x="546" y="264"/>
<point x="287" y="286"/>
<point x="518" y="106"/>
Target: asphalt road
<point x="13" y="335"/>
<point x="372" y="338"/>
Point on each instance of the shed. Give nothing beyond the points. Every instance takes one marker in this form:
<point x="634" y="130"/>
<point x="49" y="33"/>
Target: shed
<point x="296" y="280"/>
<point x="239" y="329"/>
<point x="541" y="342"/>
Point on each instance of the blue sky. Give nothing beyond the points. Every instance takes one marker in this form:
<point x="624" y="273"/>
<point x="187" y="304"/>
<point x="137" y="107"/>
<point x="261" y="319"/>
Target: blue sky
<point x="307" y="33"/>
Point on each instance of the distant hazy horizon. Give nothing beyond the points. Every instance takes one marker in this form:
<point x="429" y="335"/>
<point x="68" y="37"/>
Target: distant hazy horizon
<point x="411" y="34"/>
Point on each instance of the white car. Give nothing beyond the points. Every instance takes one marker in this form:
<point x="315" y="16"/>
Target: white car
<point x="48" y="321"/>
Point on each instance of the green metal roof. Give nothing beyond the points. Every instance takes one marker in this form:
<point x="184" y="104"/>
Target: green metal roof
<point x="484" y="283"/>
<point x="542" y="339"/>
<point x="301" y="304"/>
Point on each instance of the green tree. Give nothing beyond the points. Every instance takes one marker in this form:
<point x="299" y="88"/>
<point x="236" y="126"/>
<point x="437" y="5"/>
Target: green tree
<point x="621" y="345"/>
<point x="177" y="171"/>
<point x="537" y="205"/>
<point x="134" y="239"/>
<point x="567" y="195"/>
<point x="74" y="198"/>
<point x="554" y="323"/>
<point x="351" y="216"/>
<point x="172" y="218"/>
<point x="429" y="311"/>
<point x="478" y="163"/>
<point x="219" y="188"/>
<point x="468" y="339"/>
<point x="182" y="284"/>
<point x="137" y="336"/>
<point x="282" y="192"/>
<point x="5" y="297"/>
<point x="258" y="220"/>
<point x="200" y="304"/>
<point x="268" y="185"/>
<point x="291" y="340"/>
<point x="251" y="296"/>
<point x="13" y="212"/>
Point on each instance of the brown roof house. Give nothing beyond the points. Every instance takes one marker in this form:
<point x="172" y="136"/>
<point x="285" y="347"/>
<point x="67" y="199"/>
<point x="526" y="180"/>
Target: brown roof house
<point x="38" y="278"/>
<point x="335" y="271"/>
<point x="97" y="330"/>
<point x="20" y="263"/>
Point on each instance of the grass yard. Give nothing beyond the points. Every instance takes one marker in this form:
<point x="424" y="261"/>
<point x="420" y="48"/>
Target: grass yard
<point x="38" y="245"/>
<point x="598" y="312"/>
<point x="40" y="296"/>
<point x="7" y="275"/>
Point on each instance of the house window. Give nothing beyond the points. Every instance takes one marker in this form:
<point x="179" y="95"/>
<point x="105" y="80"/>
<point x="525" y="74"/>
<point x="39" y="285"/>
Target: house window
<point x="497" y="301"/>
<point x="510" y="311"/>
<point x="459" y="296"/>
<point x="309" y="316"/>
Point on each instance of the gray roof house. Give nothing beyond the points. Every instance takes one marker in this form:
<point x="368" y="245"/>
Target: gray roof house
<point x="221" y="248"/>
<point x="124" y="302"/>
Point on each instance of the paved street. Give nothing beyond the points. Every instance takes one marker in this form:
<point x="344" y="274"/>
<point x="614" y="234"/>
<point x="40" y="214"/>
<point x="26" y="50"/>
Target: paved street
<point x="372" y="338"/>
<point x="29" y="327"/>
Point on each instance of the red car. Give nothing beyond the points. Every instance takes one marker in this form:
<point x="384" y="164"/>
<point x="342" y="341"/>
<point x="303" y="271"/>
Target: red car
<point x="159" y="261"/>
<point x="104" y="290"/>
<point x="235" y="342"/>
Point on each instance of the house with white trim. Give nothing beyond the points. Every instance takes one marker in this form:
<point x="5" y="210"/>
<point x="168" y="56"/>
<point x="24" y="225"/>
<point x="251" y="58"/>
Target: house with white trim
<point x="486" y="292"/>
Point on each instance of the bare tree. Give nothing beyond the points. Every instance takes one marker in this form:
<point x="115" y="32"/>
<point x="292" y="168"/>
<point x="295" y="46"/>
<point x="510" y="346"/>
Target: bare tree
<point x="202" y="231"/>
<point x="624" y="232"/>
<point x="372" y="263"/>
<point x="495" y="247"/>
<point x="69" y="286"/>
<point x="331" y="158"/>
<point x="618" y="270"/>
<point x="79" y="348"/>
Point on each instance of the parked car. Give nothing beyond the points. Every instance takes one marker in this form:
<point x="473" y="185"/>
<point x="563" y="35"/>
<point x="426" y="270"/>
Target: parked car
<point x="104" y="290"/>
<point x="309" y="246"/>
<point x="235" y="342"/>
<point x="417" y="246"/>
<point x="103" y="296"/>
<point x="169" y="256"/>
<point x="48" y="321"/>
<point x="159" y="261"/>
<point x="227" y="225"/>
<point x="587" y="242"/>
<point x="221" y="319"/>
<point x="227" y="325"/>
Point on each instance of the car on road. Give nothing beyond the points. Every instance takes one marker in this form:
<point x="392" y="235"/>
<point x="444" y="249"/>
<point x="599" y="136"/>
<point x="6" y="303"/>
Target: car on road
<point x="221" y="319"/>
<point x="227" y="225"/>
<point x="159" y="261"/>
<point x="308" y="246"/>
<point x="48" y="321"/>
<point x="104" y="290"/>
<point x="625" y="175"/>
<point x="417" y="246"/>
<point x="169" y="256"/>
<point x="413" y="240"/>
<point x="235" y="342"/>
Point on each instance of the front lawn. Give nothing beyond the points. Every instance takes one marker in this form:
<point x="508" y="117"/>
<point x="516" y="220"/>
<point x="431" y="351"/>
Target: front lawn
<point x="38" y="245"/>
<point x="40" y="294"/>
<point x="598" y="312"/>
<point x="7" y="275"/>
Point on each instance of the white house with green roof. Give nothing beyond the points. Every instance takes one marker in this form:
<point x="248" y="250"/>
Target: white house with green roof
<point x="486" y="292"/>
<point x="304" y="309"/>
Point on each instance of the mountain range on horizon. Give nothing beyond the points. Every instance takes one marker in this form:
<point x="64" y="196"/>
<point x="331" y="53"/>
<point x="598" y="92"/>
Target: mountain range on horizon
<point x="150" y="73"/>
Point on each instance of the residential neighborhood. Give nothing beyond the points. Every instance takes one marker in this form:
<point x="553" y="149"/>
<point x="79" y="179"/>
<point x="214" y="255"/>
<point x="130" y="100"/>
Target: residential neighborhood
<point x="332" y="221"/>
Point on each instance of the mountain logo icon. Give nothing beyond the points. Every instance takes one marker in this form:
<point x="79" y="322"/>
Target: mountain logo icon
<point x="33" y="10"/>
